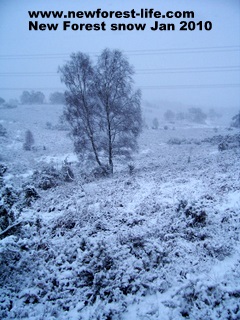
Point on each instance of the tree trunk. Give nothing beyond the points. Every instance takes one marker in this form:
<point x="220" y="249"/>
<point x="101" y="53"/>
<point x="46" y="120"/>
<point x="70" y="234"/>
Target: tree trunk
<point x="110" y="161"/>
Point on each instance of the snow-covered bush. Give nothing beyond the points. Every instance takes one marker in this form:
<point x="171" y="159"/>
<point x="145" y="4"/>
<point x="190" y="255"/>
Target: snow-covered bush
<point x="62" y="124"/>
<point x="67" y="172"/>
<point x="222" y="146"/>
<point x="131" y="168"/>
<point x="30" y="195"/>
<point x="205" y="300"/>
<point x="5" y="217"/>
<point x="155" y="124"/>
<point x="10" y="205"/>
<point x="3" y="131"/>
<point x="47" y="177"/>
<point x="230" y="139"/>
<point x="175" y="141"/>
<point x="3" y="169"/>
<point x="101" y="172"/>
<point x="236" y="121"/>
<point x="195" y="214"/>
<point x="10" y="197"/>
<point x="49" y="125"/>
<point x="29" y="141"/>
<point x="10" y="105"/>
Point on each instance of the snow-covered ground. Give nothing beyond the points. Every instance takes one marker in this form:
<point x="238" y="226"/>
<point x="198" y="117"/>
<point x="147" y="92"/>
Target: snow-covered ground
<point x="160" y="243"/>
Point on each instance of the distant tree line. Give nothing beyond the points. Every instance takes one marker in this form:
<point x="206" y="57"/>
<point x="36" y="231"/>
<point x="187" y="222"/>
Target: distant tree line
<point x="193" y="114"/>
<point x="38" y="97"/>
<point x="32" y="97"/>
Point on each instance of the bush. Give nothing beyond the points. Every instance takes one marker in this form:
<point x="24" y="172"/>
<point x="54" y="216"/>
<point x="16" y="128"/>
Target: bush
<point x="48" y="177"/>
<point x="1" y="101"/>
<point x="101" y="172"/>
<point x="222" y="146"/>
<point x="195" y="214"/>
<point x="236" y="121"/>
<point x="3" y="169"/>
<point x="131" y="168"/>
<point x="30" y="195"/>
<point x="199" y="300"/>
<point x="3" y="131"/>
<point x="66" y="171"/>
<point x="9" y="105"/>
<point x="49" y="125"/>
<point x="155" y="124"/>
<point x="62" y="124"/>
<point x="9" y="198"/>
<point x="175" y="141"/>
<point x="29" y="141"/>
<point x="57" y="98"/>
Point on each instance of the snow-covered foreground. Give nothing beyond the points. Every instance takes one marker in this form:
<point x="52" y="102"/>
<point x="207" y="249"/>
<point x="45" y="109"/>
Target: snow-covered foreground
<point x="161" y="243"/>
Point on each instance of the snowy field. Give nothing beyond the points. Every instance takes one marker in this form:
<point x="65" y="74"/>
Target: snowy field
<point x="159" y="243"/>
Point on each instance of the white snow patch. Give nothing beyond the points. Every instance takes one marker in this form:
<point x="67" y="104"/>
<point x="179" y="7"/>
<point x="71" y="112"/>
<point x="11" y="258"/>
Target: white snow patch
<point x="57" y="159"/>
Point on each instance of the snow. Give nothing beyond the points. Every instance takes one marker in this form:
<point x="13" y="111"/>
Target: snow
<point x="161" y="243"/>
<point x="59" y="159"/>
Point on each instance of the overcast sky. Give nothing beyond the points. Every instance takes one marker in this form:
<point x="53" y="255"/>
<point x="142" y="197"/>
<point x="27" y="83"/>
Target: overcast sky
<point x="191" y="68"/>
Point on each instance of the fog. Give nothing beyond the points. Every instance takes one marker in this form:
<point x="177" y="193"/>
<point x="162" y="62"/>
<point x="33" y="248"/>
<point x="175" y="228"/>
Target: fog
<point x="173" y="68"/>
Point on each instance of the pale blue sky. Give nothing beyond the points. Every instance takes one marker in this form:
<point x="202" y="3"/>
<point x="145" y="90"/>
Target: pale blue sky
<point x="170" y="58"/>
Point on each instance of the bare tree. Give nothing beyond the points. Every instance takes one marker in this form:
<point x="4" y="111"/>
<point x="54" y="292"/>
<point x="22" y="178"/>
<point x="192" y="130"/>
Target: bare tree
<point x="81" y="108"/>
<point x="120" y="105"/>
<point x="101" y="107"/>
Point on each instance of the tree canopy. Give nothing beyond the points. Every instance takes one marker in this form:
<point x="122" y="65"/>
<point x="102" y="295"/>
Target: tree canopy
<point x="102" y="108"/>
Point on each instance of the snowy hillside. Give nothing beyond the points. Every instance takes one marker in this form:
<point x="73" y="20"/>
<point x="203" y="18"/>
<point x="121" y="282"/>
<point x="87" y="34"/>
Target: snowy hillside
<point x="159" y="242"/>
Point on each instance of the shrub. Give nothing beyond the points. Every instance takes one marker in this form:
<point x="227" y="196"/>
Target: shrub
<point x="30" y="195"/>
<point x="10" y="105"/>
<point x="131" y="168"/>
<point x="175" y="141"/>
<point x="1" y="101"/>
<point x="236" y="121"/>
<point x="155" y="124"/>
<point x="29" y="141"/>
<point x="3" y="131"/>
<point x="57" y="98"/>
<point x="49" y="125"/>
<point x="169" y="116"/>
<point x="101" y="172"/>
<point x="48" y="177"/>
<point x="222" y="146"/>
<point x="195" y="214"/>
<point x="9" y="198"/>
<point x="3" y="169"/>
<point x="66" y="171"/>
